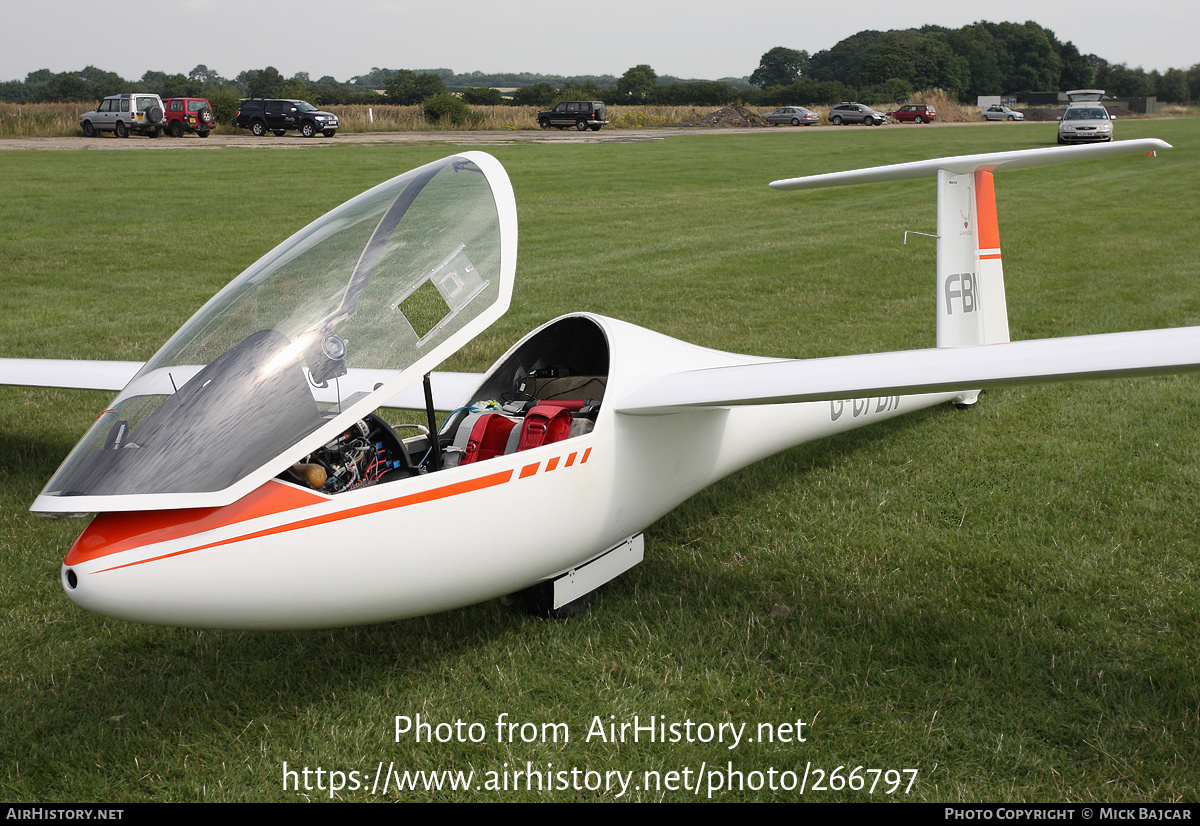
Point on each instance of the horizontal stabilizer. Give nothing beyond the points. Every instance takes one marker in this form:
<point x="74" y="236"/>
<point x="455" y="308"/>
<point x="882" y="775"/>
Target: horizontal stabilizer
<point x="1108" y="355"/>
<point x="964" y="164"/>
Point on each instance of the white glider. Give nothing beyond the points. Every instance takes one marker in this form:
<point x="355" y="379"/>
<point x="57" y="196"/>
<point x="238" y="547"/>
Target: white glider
<point x="242" y="480"/>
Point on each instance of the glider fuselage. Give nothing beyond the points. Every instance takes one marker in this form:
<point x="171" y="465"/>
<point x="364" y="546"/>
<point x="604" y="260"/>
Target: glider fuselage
<point x="289" y="557"/>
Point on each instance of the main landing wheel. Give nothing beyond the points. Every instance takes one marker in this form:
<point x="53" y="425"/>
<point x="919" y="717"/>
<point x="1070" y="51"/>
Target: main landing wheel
<point x="538" y="600"/>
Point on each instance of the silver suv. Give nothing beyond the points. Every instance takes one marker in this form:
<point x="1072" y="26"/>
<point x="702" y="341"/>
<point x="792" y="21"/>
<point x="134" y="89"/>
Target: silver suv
<point x="121" y="114"/>
<point x="855" y="113"/>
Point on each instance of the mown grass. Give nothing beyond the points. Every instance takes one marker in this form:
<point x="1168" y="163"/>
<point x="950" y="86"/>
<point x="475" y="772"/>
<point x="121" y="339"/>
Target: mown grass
<point x="1005" y="599"/>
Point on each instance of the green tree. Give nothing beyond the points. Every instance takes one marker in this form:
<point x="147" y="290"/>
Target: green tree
<point x="104" y="83"/>
<point x="697" y="93"/>
<point x="202" y="74"/>
<point x="428" y="84"/>
<point x="408" y="88"/>
<point x="1193" y="79"/>
<point x="586" y="90"/>
<point x="446" y="106"/>
<point x="261" y="83"/>
<point x="1118" y="80"/>
<point x="398" y="88"/>
<point x="66" y="86"/>
<point x="1172" y="86"/>
<point x="1028" y="59"/>
<point x="1076" y="71"/>
<point x="637" y="84"/>
<point x="977" y="47"/>
<point x="779" y="67"/>
<point x="841" y="61"/>
<point x="483" y="96"/>
<point x="536" y="94"/>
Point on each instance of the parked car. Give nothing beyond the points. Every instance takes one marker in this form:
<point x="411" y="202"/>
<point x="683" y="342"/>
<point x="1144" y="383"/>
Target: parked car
<point x="998" y="112"/>
<point x="915" y="112"/>
<point x="582" y="114"/>
<point x="122" y="114"/>
<point x="262" y="115"/>
<point x="188" y="115"/>
<point x="795" y="115"/>
<point x="855" y="113"/>
<point x="1085" y="123"/>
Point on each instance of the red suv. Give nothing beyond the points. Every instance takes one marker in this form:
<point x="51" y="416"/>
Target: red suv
<point x="188" y="115"/>
<point x="916" y="112"/>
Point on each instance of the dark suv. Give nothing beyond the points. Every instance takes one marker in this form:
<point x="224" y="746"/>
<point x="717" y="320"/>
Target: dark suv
<point x="582" y="114"/>
<point x="262" y="115"/>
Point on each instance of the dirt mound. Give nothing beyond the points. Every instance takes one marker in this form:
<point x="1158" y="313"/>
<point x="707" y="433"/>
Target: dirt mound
<point x="731" y="116"/>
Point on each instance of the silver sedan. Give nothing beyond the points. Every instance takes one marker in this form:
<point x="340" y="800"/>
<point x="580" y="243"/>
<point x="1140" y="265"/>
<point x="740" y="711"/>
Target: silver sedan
<point x="795" y="115"/>
<point x="998" y="112"/>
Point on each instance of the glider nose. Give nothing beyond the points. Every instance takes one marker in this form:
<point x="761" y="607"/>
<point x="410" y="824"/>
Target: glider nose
<point x="72" y="583"/>
<point x="98" y="595"/>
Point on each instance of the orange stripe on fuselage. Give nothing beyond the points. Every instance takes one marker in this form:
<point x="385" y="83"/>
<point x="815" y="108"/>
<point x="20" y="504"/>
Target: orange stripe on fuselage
<point x="455" y="489"/>
<point x="111" y="533"/>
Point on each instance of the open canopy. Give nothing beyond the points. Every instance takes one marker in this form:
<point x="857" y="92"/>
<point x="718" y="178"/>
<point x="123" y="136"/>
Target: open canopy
<point x="396" y="279"/>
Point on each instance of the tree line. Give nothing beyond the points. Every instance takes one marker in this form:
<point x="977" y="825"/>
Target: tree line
<point x="871" y="66"/>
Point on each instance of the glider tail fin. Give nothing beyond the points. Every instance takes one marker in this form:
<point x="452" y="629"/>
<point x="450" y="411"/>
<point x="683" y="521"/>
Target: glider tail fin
<point x="971" y="304"/>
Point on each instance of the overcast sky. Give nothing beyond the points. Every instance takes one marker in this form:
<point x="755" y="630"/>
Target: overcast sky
<point x="344" y="38"/>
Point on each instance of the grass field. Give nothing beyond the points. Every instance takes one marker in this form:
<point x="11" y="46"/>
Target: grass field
<point x="1006" y="600"/>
